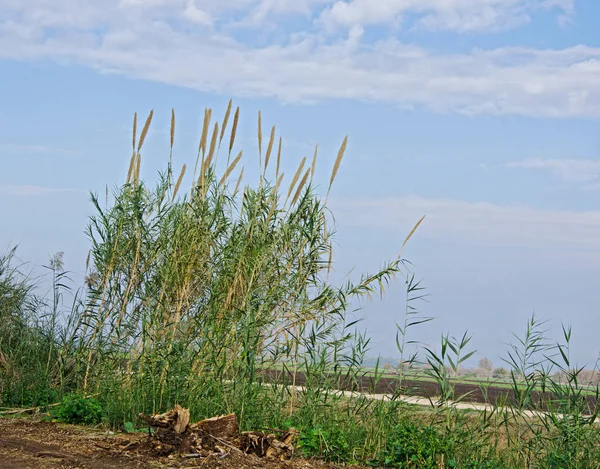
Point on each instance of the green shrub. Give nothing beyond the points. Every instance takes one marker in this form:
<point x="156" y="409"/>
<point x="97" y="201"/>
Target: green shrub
<point x="78" y="409"/>
<point x="410" y="445"/>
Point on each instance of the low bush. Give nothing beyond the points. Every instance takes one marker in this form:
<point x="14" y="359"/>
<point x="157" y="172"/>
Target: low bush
<point x="78" y="409"/>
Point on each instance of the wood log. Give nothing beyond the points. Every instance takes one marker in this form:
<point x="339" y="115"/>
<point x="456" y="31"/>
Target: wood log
<point x="222" y="426"/>
<point x="177" y="419"/>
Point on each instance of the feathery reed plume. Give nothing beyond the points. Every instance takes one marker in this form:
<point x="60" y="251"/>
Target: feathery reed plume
<point x="134" y="130"/>
<point x="278" y="157"/>
<point x="278" y="183"/>
<point x="410" y="235"/>
<point x="236" y="118"/>
<point x="138" y="164"/>
<point x="172" y="132"/>
<point x="172" y="135"/>
<point x="131" y="166"/>
<point x="338" y="161"/>
<point x="213" y="144"/>
<point x="239" y="181"/>
<point x="172" y="127"/>
<point x="133" y="155"/>
<point x="296" y="176"/>
<point x="225" y="121"/>
<point x="329" y="259"/>
<point x="314" y="163"/>
<point x="205" y="125"/>
<point x="300" y="186"/>
<point x="145" y="130"/>
<point x="269" y="148"/>
<point x="179" y="179"/>
<point x="202" y="145"/>
<point x="259" y="138"/>
<point x="230" y="168"/>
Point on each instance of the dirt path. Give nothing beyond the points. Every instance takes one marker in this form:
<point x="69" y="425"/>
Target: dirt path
<point x="31" y="444"/>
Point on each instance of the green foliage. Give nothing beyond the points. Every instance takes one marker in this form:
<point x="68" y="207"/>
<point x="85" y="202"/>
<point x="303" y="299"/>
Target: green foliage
<point x="330" y="443"/>
<point x="410" y="445"/>
<point x="28" y="360"/>
<point x="78" y="409"/>
<point x="129" y="427"/>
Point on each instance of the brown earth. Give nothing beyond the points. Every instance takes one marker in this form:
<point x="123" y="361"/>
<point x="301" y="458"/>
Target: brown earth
<point x="465" y="392"/>
<point x="33" y="444"/>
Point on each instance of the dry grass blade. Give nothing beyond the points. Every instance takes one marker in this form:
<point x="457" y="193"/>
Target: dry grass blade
<point x="179" y="179"/>
<point x="239" y="181"/>
<point x="296" y="176"/>
<point x="278" y="157"/>
<point x="172" y="133"/>
<point x="300" y="186"/>
<point x="230" y="168"/>
<point x="269" y="148"/>
<point x="145" y="130"/>
<point x="225" y="121"/>
<point x="338" y="161"/>
<point x="236" y="118"/>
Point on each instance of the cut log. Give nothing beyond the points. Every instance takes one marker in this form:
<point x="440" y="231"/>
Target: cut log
<point x="182" y="421"/>
<point x="224" y="426"/>
<point x="176" y="419"/>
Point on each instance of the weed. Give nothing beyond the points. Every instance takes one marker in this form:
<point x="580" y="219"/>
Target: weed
<point x="78" y="409"/>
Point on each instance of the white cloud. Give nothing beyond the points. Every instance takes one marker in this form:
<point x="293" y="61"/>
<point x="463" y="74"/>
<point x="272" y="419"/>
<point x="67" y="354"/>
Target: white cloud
<point x="196" y="15"/>
<point x="205" y="45"/>
<point x="453" y="15"/>
<point x="571" y="170"/>
<point x="24" y="149"/>
<point x="26" y="190"/>
<point x="475" y="223"/>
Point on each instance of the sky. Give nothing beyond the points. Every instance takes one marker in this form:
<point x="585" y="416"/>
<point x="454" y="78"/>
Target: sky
<point x="482" y="115"/>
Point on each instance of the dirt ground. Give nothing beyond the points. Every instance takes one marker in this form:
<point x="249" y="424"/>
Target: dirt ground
<point x="33" y="444"/>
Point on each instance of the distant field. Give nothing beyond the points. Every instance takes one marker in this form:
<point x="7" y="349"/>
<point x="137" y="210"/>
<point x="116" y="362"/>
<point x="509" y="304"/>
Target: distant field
<point x="419" y="384"/>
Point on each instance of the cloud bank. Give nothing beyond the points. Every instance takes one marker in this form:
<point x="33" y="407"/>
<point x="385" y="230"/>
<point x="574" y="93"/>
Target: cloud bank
<point x="474" y="223"/>
<point x="311" y="50"/>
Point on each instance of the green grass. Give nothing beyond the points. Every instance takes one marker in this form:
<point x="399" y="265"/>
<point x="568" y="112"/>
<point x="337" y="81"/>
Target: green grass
<point x="195" y="284"/>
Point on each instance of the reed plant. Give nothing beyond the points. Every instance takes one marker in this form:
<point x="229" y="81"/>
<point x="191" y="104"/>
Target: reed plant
<point x="208" y="291"/>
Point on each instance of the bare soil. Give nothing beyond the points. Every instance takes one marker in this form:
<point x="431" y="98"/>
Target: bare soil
<point x="33" y="444"/>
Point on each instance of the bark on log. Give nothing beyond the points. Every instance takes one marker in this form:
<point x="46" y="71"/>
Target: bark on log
<point x="223" y="426"/>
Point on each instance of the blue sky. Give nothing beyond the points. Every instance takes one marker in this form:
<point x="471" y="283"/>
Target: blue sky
<point x="481" y="114"/>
